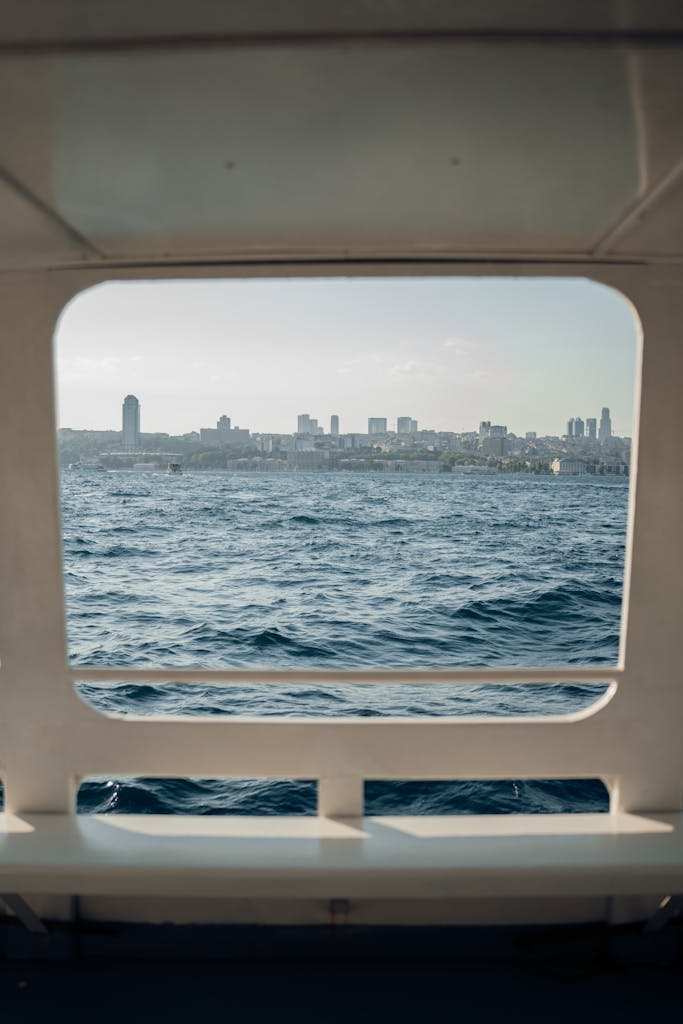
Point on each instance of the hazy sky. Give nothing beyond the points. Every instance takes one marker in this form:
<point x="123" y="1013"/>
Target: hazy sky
<point x="449" y="352"/>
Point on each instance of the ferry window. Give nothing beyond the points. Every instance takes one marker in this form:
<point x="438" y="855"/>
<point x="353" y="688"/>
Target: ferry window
<point x="345" y="473"/>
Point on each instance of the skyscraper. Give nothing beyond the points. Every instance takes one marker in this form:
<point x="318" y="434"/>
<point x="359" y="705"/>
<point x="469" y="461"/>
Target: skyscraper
<point x="131" y="423"/>
<point x="605" y="431"/>
<point x="303" y="423"/>
<point x="591" y="428"/>
<point x="578" y="427"/>
<point x="403" y="425"/>
<point x="334" y="426"/>
<point x="570" y="427"/>
<point x="377" y="425"/>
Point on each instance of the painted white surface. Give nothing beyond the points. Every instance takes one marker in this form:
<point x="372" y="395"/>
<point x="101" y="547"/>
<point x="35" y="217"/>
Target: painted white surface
<point x="84" y="200"/>
<point x="381" y="858"/>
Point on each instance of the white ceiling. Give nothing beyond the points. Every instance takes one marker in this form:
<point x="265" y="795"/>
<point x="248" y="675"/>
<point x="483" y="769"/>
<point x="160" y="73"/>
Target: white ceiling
<point x="390" y="147"/>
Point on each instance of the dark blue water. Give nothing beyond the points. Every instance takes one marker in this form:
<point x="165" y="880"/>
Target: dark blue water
<point x="344" y="570"/>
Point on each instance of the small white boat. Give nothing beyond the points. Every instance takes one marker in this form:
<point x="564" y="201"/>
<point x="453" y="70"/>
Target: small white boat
<point x="174" y="469"/>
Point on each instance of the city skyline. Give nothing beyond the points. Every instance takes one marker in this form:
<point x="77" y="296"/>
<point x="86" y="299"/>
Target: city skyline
<point x="444" y="351"/>
<point x="405" y="426"/>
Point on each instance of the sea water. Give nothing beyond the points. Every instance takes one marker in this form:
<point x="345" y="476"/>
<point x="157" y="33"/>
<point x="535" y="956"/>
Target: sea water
<point x="351" y="570"/>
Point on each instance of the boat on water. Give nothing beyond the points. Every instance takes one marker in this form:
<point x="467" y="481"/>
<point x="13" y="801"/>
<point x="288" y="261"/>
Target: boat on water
<point x="174" y="469"/>
<point x="512" y="140"/>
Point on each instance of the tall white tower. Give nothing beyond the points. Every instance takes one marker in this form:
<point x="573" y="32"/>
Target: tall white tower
<point x="131" y="423"/>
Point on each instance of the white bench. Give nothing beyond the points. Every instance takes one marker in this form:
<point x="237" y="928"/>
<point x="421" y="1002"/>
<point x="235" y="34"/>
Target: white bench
<point x="379" y="858"/>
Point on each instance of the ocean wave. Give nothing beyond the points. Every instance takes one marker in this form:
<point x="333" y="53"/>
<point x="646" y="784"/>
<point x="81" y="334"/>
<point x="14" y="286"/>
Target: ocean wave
<point x="255" y="572"/>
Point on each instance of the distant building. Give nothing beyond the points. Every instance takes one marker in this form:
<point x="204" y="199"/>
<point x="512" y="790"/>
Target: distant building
<point x="605" y="431"/>
<point x="240" y="435"/>
<point x="591" y="428"/>
<point x="488" y="430"/>
<point x="578" y="427"/>
<point x="407" y="425"/>
<point x="568" y="467"/>
<point x="302" y="443"/>
<point x="570" y="427"/>
<point x="303" y="423"/>
<point x="377" y="425"/>
<point x="334" y="426"/>
<point x="307" y="460"/>
<point x="131" y="424"/>
<point x="530" y="435"/>
<point x="224" y="433"/>
<point x="494" y="445"/>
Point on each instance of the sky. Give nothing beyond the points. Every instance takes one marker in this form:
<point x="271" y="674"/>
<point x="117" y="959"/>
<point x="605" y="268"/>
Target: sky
<point x="449" y="352"/>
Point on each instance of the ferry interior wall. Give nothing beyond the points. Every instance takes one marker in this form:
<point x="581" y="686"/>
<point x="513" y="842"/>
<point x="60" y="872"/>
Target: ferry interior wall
<point x="175" y="141"/>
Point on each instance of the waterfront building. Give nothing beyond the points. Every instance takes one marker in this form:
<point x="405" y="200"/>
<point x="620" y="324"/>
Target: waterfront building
<point x="334" y="426"/>
<point x="568" y="467"/>
<point x="307" y="460"/>
<point x="377" y="425"/>
<point x="578" y="427"/>
<point x="591" y="428"/>
<point x="131" y="423"/>
<point x="605" y="431"/>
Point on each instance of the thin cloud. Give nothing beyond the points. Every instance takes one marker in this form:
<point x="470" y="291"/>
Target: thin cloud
<point x="414" y="368"/>
<point x="458" y="346"/>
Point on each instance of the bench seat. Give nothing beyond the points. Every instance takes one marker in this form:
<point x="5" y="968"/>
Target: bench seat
<point x="308" y="857"/>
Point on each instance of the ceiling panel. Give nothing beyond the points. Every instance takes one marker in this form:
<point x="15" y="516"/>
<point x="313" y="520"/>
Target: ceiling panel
<point x="658" y="230"/>
<point x="345" y="150"/>
<point x="59" y="21"/>
<point x="421" y="149"/>
<point x="29" y="238"/>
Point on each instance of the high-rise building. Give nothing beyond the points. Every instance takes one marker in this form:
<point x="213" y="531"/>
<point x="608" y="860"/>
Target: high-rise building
<point x="303" y="423"/>
<point x="334" y="426"/>
<point x="224" y="425"/>
<point x="413" y="426"/>
<point x="605" y="431"/>
<point x="377" y="425"/>
<point x="578" y="427"/>
<point x="494" y="445"/>
<point x="591" y="428"/>
<point x="403" y="425"/>
<point x="484" y="429"/>
<point x="131" y="424"/>
<point x="570" y="427"/>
